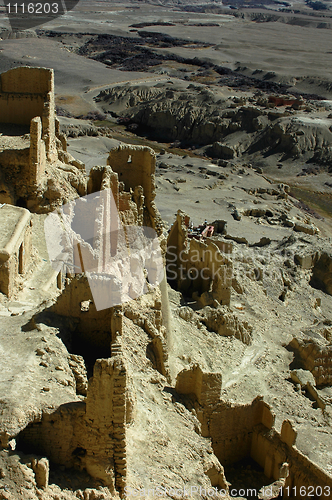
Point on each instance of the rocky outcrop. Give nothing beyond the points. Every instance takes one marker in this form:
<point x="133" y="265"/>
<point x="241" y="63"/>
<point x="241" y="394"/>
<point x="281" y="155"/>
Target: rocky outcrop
<point x="315" y="356"/>
<point x="197" y="116"/>
<point x="222" y="321"/>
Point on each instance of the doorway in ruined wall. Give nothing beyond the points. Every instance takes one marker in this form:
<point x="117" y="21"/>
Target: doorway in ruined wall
<point x="31" y="442"/>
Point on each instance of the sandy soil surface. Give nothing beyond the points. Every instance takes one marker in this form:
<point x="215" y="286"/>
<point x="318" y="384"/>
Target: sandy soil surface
<point x="295" y="53"/>
<point x="292" y="52"/>
<point x="252" y="194"/>
<point x="296" y="48"/>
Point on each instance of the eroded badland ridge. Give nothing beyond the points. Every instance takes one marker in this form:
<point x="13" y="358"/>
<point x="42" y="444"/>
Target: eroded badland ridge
<point x="165" y="265"/>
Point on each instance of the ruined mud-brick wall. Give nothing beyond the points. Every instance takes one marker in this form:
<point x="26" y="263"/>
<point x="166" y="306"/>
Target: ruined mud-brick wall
<point x="27" y="93"/>
<point x="196" y="266"/>
<point x="129" y="205"/>
<point x="94" y="432"/>
<point x="241" y="431"/>
<point x="271" y="450"/>
<point x="231" y="428"/>
<point x="106" y="417"/>
<point x="27" y="98"/>
<point x="305" y="473"/>
<point x="23" y="92"/>
<point x="134" y="192"/>
<point x="15" y="246"/>
<point x="110" y="206"/>
<point x="135" y="166"/>
<point x="317" y="358"/>
<point x="204" y="386"/>
<point x="37" y="158"/>
<point x="88" y="435"/>
<point x="132" y="206"/>
<point x="202" y="389"/>
<point x="94" y="329"/>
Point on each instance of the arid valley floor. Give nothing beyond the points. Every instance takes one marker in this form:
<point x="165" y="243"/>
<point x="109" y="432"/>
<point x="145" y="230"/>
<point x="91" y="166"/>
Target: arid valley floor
<point x="196" y="137"/>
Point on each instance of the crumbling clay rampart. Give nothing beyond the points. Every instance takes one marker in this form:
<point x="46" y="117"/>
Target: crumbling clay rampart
<point x="15" y="246"/>
<point x="26" y="93"/>
<point x="139" y="180"/>
<point x="91" y="434"/>
<point x="40" y="173"/>
<point x="198" y="268"/>
<point x="240" y="431"/>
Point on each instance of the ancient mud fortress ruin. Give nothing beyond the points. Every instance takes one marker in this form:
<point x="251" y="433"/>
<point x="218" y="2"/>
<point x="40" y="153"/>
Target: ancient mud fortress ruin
<point x="36" y="170"/>
<point x="199" y="268"/>
<point x="94" y="425"/>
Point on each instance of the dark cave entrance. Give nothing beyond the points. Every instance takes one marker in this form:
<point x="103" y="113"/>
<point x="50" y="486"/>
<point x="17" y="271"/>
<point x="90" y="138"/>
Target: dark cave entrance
<point x="247" y="479"/>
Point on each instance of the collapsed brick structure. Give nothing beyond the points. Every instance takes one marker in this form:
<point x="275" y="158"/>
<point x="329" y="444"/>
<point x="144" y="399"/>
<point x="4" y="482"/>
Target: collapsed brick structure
<point x="239" y="431"/>
<point x="35" y="169"/>
<point x="91" y="435"/>
<point x="26" y="93"/>
<point x="140" y="181"/>
<point x="199" y="268"/>
<point x="15" y="246"/>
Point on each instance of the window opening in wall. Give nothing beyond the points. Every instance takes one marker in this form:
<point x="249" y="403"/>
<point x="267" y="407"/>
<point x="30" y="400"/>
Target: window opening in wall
<point x="20" y="259"/>
<point x="129" y="159"/>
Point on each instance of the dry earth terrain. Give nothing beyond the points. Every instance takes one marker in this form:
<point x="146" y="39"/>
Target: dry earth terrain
<point x="236" y="101"/>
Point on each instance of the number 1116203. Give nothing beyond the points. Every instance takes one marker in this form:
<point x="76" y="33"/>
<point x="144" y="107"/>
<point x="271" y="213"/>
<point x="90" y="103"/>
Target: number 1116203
<point x="33" y="8"/>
